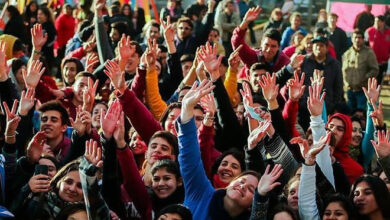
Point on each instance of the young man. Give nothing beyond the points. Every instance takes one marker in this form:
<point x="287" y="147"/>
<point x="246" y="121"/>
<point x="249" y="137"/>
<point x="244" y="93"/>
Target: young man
<point x="227" y="20"/>
<point x="337" y="36"/>
<point x="359" y="64"/>
<point x="296" y="21"/>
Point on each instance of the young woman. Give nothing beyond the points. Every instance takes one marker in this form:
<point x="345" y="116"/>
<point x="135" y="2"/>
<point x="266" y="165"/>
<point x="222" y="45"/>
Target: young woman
<point x="338" y="207"/>
<point x="226" y="168"/>
<point x="296" y="39"/>
<point x="15" y="24"/>
<point x="371" y="198"/>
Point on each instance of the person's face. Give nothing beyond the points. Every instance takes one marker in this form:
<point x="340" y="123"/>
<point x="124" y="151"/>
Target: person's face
<point x="170" y="216"/>
<point x="334" y="211"/>
<point x="79" y="86"/>
<point x="240" y="113"/>
<point x="199" y="116"/>
<point x="114" y="35"/>
<point x="213" y="36"/>
<point x="332" y="21"/>
<point x="368" y="8"/>
<point x="364" y="199"/>
<point x="228" y="169"/>
<point x="184" y="30"/>
<point x="68" y="10"/>
<point x="357" y="134"/>
<point x="80" y="215"/>
<point x="282" y="216"/>
<point x="379" y="24"/>
<point x="158" y="147"/>
<point x="229" y="8"/>
<point x="164" y="183"/>
<point x="298" y="38"/>
<point x="299" y="172"/>
<point x="153" y="32"/>
<point x="385" y="179"/>
<point x="185" y="67"/>
<point x="357" y="41"/>
<point x="310" y="140"/>
<point x="337" y="127"/>
<point x="137" y="145"/>
<point x="241" y="190"/>
<point x="126" y="10"/>
<point x="33" y="7"/>
<point x="296" y="22"/>
<point x="19" y="75"/>
<point x="277" y="16"/>
<point x="51" y="124"/>
<point x="70" y="187"/>
<point x="319" y="49"/>
<point x="96" y="115"/>
<point x="308" y="45"/>
<point x="52" y="170"/>
<point x="182" y="93"/>
<point x="132" y="63"/>
<point x="292" y="198"/>
<point x="270" y="48"/>
<point x="69" y="72"/>
<point x="42" y="18"/>
<point x="169" y="124"/>
<point x="255" y="78"/>
<point x="171" y="4"/>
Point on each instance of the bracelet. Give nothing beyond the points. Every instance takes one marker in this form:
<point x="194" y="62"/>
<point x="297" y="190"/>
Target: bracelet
<point x="10" y="136"/>
<point x="36" y="51"/>
<point x="209" y="118"/>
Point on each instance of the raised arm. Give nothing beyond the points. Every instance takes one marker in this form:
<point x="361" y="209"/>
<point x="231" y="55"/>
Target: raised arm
<point x="382" y="149"/>
<point x="231" y="75"/>
<point x="103" y="46"/>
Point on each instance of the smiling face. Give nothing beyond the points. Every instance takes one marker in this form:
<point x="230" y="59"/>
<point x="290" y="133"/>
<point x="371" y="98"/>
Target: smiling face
<point x="164" y="183"/>
<point x="137" y="145"/>
<point x="270" y="48"/>
<point x="70" y="187"/>
<point x="96" y="114"/>
<point x="228" y="169"/>
<point x="69" y="72"/>
<point x="364" y="199"/>
<point x="169" y="124"/>
<point x="241" y="190"/>
<point x="158" y="147"/>
<point x="334" y="211"/>
<point x="79" y="87"/>
<point x="51" y="124"/>
<point x="255" y="77"/>
<point x="357" y="134"/>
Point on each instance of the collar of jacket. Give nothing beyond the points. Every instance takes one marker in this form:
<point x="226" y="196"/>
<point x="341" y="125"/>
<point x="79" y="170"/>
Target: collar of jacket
<point x="217" y="210"/>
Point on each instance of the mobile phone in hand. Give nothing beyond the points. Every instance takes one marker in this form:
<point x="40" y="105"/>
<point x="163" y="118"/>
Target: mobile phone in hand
<point x="41" y="169"/>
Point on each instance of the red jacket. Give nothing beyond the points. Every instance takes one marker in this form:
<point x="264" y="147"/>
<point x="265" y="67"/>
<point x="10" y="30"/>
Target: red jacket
<point x="351" y="168"/>
<point x="65" y="27"/>
<point x="250" y="56"/>
<point x="380" y="43"/>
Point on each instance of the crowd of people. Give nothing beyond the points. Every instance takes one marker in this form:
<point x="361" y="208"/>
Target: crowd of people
<point x="106" y="116"/>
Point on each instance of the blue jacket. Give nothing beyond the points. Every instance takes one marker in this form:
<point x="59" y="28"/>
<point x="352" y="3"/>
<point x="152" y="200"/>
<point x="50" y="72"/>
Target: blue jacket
<point x="286" y="37"/>
<point x="198" y="189"/>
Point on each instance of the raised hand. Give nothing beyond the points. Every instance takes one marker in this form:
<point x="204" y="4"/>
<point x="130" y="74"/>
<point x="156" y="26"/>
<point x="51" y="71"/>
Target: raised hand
<point x="38" y="37"/>
<point x="89" y="96"/>
<point x="116" y="76"/>
<point x="35" y="147"/>
<point x="39" y="183"/>
<point x="208" y="54"/>
<point x="382" y="148"/>
<point x="126" y="50"/>
<point x="119" y="132"/>
<point x="258" y="134"/>
<point x="208" y="104"/>
<point x="234" y="59"/>
<point x="92" y="60"/>
<point x="33" y="75"/>
<point x="99" y="5"/>
<point x="77" y="124"/>
<point x="310" y="153"/>
<point x="193" y="97"/>
<point x="252" y="14"/>
<point x="12" y="119"/>
<point x="377" y="114"/>
<point x="317" y="78"/>
<point x="151" y="53"/>
<point x="269" y="87"/>
<point x="296" y="61"/>
<point x="372" y="91"/>
<point x="246" y="94"/>
<point x="296" y="87"/>
<point x="168" y="30"/>
<point x="315" y="100"/>
<point x="109" y="120"/>
<point x="27" y="101"/>
<point x="3" y="64"/>
<point x="93" y="153"/>
<point x="268" y="180"/>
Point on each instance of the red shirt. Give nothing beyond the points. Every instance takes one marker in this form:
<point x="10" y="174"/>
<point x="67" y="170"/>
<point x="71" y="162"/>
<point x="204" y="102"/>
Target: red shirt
<point x="65" y="26"/>
<point x="380" y="43"/>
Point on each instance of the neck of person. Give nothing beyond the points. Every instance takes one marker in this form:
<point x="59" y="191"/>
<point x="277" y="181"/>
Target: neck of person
<point x="376" y="215"/>
<point x="332" y="28"/>
<point x="54" y="142"/>
<point x="357" y="48"/>
<point x="76" y="103"/>
<point x="231" y="207"/>
<point x="320" y="59"/>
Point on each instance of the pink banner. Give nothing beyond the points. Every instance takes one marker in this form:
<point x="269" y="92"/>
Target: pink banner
<point x="347" y="13"/>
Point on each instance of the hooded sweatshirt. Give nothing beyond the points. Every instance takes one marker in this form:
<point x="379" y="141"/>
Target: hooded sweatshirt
<point x="351" y="168"/>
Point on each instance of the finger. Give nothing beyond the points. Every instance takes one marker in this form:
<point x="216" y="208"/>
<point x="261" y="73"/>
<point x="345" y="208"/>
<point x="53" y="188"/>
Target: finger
<point x="374" y="144"/>
<point x="267" y="169"/>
